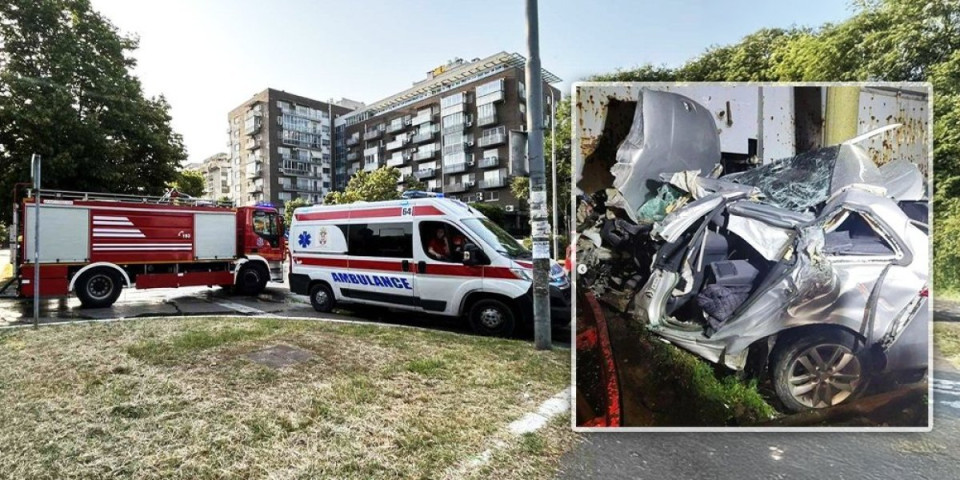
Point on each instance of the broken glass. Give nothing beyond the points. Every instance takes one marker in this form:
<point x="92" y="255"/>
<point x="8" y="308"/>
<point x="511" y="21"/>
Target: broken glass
<point x="795" y="183"/>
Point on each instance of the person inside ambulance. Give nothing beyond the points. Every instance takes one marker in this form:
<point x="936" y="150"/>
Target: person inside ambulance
<point x="457" y="242"/>
<point x="439" y="247"/>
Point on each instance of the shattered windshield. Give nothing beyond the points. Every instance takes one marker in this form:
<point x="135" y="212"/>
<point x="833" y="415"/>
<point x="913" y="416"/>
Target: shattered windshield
<point x="795" y="183"/>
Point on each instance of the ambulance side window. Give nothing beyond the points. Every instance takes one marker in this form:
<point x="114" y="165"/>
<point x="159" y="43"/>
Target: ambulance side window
<point x="393" y="240"/>
<point x="442" y="242"/>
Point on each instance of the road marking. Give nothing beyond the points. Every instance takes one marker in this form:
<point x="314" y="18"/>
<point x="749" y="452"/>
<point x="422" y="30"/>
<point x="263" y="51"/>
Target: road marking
<point x="949" y="389"/>
<point x="237" y="307"/>
<point x="528" y="423"/>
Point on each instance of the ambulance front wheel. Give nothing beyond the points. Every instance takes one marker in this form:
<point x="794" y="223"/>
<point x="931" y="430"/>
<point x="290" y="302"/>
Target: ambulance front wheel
<point x="98" y="288"/>
<point x="492" y="318"/>
<point x="322" y="298"/>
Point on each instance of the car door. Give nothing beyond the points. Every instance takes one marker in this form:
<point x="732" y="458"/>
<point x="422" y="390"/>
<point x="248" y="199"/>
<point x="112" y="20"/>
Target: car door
<point x="379" y="268"/>
<point x="441" y="277"/>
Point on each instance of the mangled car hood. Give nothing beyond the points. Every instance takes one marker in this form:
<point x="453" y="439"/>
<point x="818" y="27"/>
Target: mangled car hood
<point x="670" y="133"/>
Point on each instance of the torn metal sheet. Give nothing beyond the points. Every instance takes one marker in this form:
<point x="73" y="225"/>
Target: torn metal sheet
<point x="669" y="133"/>
<point x="903" y="181"/>
<point x="769" y="241"/>
<point x="679" y="221"/>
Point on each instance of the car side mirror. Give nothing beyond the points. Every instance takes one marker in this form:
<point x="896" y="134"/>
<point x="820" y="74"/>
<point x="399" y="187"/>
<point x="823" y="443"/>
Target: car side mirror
<point x="473" y="256"/>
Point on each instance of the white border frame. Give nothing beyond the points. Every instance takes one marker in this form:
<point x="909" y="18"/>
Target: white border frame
<point x="577" y="157"/>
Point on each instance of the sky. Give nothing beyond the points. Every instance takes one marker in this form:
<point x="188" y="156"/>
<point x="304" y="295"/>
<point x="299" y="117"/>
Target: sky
<point x="209" y="56"/>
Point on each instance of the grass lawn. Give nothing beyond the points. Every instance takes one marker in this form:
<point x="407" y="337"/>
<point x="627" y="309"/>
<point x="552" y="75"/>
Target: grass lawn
<point x="946" y="336"/>
<point x="179" y="398"/>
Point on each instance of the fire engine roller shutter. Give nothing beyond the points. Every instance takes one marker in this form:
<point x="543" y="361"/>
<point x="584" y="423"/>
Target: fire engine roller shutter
<point x="64" y="234"/>
<point x="215" y="235"/>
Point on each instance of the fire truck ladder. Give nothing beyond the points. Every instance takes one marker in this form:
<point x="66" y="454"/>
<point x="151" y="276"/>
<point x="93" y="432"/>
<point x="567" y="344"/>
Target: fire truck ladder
<point x="172" y="197"/>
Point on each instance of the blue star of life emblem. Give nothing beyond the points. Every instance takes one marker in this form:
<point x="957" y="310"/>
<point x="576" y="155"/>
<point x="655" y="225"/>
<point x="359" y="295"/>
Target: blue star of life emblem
<point x="304" y="239"/>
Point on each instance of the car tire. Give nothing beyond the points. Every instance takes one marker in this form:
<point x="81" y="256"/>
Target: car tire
<point x="98" y="288"/>
<point x="492" y="318"/>
<point x="252" y="279"/>
<point x="322" y="299"/>
<point x="819" y="370"/>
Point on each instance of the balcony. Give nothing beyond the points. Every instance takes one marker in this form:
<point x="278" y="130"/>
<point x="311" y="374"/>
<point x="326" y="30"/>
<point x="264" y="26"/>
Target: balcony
<point x="371" y="166"/>
<point x="456" y="167"/>
<point x="489" y="162"/>
<point x="458" y="187"/>
<point x="425" y="173"/>
<point x="435" y="189"/>
<point x="254" y="171"/>
<point x="423" y="136"/>
<point x="422" y="155"/>
<point x="423" y="117"/>
<point x="395" y="161"/>
<point x="487" y="120"/>
<point x="254" y="144"/>
<point x="397" y="143"/>
<point x="491" y="97"/>
<point x="494" y="139"/>
<point x="493" y="183"/>
<point x="352" y="156"/>
<point x="396" y="126"/>
<point x="457" y="147"/>
<point x="353" y="141"/>
<point x="372" y="134"/>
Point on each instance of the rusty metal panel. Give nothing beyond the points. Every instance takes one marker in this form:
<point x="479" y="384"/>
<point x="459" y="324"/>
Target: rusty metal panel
<point x="882" y="106"/>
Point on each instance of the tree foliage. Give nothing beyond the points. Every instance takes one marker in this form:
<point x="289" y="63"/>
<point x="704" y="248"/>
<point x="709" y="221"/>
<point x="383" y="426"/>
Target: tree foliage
<point x="67" y="93"/>
<point x="884" y="40"/>
<point x="289" y="207"/>
<point x="495" y="213"/>
<point x="373" y="186"/>
<point x="189" y="182"/>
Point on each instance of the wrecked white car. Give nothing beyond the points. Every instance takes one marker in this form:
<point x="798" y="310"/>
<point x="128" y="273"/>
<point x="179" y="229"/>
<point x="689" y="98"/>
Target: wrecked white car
<point x="812" y="269"/>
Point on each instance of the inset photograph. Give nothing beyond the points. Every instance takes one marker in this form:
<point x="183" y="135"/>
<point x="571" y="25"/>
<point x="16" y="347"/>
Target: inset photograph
<point x="752" y="255"/>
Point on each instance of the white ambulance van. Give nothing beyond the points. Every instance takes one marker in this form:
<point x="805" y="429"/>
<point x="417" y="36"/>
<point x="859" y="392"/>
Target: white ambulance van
<point x="434" y="255"/>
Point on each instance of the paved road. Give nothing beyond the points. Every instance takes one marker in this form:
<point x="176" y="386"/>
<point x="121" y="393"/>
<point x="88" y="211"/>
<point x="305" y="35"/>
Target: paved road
<point x="192" y="301"/>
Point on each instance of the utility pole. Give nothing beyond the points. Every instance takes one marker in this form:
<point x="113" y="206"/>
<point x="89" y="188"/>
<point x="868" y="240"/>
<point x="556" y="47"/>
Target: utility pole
<point x="35" y="164"/>
<point x="553" y="163"/>
<point x="538" y="188"/>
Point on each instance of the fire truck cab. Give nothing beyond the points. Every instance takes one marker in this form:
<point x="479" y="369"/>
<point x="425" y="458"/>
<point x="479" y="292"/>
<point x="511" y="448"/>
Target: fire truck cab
<point x="433" y="255"/>
<point x="94" y="245"/>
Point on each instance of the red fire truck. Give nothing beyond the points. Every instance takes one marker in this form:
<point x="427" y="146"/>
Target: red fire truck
<point x="96" y="244"/>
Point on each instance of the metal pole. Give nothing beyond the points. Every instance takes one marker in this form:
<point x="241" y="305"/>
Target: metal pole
<point x="538" y="187"/>
<point x="553" y="161"/>
<point x="36" y="239"/>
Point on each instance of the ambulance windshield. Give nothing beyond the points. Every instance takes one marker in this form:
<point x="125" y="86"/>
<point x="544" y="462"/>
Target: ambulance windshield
<point x="496" y="237"/>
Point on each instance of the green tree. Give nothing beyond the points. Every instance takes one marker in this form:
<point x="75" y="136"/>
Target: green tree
<point x="189" y="182"/>
<point x="67" y="93"/>
<point x="495" y="213"/>
<point x="412" y="184"/>
<point x="379" y="184"/>
<point x="289" y="207"/>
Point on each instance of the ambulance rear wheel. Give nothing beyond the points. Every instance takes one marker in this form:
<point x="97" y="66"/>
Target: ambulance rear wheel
<point x="322" y="298"/>
<point x="492" y="318"/>
<point x="252" y="279"/>
<point x="98" y="288"/>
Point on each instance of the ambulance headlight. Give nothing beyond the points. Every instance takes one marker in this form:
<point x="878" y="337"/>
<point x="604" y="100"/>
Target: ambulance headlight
<point x="523" y="273"/>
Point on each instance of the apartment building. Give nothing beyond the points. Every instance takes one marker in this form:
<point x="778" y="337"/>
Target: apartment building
<point x="281" y="147"/>
<point x="450" y="131"/>
<point x="217" y="176"/>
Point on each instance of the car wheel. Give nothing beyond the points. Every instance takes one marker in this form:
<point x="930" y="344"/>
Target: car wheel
<point x="818" y="371"/>
<point x="98" y="288"/>
<point x="492" y="318"/>
<point x="251" y="280"/>
<point x="322" y="298"/>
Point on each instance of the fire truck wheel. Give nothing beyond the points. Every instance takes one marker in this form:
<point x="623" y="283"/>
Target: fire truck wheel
<point x="98" y="288"/>
<point x="322" y="298"/>
<point x="492" y="318"/>
<point x="252" y="279"/>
